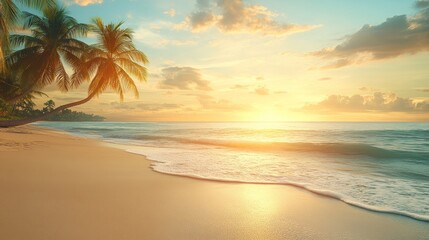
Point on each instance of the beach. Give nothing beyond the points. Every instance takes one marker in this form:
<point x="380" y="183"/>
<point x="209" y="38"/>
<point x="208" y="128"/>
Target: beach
<point x="57" y="186"/>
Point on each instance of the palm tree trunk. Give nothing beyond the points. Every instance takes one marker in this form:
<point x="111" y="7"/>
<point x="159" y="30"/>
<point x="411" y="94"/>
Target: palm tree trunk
<point x="14" y="123"/>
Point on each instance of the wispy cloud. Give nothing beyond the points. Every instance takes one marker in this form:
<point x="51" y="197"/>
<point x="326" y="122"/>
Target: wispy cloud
<point x="84" y="2"/>
<point x="423" y="90"/>
<point x="239" y="86"/>
<point x="170" y="12"/>
<point x="151" y="38"/>
<point x="369" y="89"/>
<point x="398" y="35"/>
<point x="378" y="102"/>
<point x="262" y="90"/>
<point x="145" y="107"/>
<point x="236" y="16"/>
<point x="210" y="103"/>
<point x="184" y="78"/>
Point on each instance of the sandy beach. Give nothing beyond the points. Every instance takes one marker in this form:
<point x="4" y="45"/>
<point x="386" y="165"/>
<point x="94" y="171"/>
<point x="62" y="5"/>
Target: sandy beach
<point x="57" y="186"/>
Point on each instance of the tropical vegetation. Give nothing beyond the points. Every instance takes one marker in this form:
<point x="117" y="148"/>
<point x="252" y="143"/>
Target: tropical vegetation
<point x="52" y="53"/>
<point x="26" y="109"/>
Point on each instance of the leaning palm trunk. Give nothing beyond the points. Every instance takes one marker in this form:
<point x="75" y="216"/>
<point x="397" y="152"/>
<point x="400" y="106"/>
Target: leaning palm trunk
<point x="15" y="123"/>
<point x="114" y="63"/>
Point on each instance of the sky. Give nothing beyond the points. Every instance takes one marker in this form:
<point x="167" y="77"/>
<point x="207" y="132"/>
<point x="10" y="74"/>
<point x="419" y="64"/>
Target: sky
<point x="269" y="60"/>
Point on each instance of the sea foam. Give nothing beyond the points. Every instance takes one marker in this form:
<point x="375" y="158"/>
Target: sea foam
<point x="381" y="167"/>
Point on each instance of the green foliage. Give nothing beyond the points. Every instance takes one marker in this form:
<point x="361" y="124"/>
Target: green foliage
<point x="49" y="106"/>
<point x="52" y="45"/>
<point x="9" y="17"/>
<point x="74" y="116"/>
<point x="30" y="62"/>
<point x="114" y="62"/>
<point x="5" y="110"/>
<point x="25" y="109"/>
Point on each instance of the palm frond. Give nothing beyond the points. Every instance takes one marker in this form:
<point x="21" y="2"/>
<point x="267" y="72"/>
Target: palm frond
<point x="24" y="40"/>
<point x="63" y="79"/>
<point x="135" y="55"/>
<point x="51" y="45"/>
<point x="114" y="60"/>
<point x="133" y="68"/>
<point x="39" y="3"/>
<point x="127" y="81"/>
<point x="10" y="12"/>
<point x="32" y="20"/>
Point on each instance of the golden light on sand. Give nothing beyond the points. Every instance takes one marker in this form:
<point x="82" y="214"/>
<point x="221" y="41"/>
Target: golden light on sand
<point x="260" y="200"/>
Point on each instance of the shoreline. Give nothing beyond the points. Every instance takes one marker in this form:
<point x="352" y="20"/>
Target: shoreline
<point x="297" y="186"/>
<point x="320" y="193"/>
<point x="277" y="210"/>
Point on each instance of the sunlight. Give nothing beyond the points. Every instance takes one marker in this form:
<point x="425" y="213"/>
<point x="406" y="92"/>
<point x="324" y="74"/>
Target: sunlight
<point x="214" y="119"/>
<point x="267" y="116"/>
<point x="260" y="200"/>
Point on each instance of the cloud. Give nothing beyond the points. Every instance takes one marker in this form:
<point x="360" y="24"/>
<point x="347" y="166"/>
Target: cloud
<point x="325" y="79"/>
<point x="202" y="20"/>
<point x="145" y="35"/>
<point x="369" y="89"/>
<point x="85" y="2"/>
<point x="263" y="91"/>
<point x="210" y="103"/>
<point x="423" y="90"/>
<point x="170" y="12"/>
<point x="239" y="86"/>
<point x="422" y="3"/>
<point x="121" y="105"/>
<point x="155" y="107"/>
<point x="398" y="35"/>
<point x="147" y="107"/>
<point x="378" y="102"/>
<point x="183" y="78"/>
<point x="236" y="16"/>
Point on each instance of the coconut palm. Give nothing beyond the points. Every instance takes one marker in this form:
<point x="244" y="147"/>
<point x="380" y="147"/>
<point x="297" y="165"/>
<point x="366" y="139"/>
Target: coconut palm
<point x="52" y="45"/>
<point x="9" y="15"/>
<point x="9" y="87"/>
<point x="113" y="63"/>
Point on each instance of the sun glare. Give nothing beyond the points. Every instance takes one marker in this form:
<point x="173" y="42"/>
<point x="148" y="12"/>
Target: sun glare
<point x="268" y="116"/>
<point x="261" y="200"/>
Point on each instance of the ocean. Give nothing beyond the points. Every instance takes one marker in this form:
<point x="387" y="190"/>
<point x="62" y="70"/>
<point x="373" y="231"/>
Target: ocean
<point x="377" y="166"/>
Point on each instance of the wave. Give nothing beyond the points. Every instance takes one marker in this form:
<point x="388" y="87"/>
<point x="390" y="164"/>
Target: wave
<point x="321" y="192"/>
<point x="391" y="178"/>
<point x="325" y="148"/>
<point x="92" y="129"/>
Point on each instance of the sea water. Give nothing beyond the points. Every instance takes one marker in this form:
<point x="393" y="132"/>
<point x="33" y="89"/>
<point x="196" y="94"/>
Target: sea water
<point x="378" y="166"/>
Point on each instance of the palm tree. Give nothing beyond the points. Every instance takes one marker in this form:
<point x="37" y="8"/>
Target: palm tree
<point x="9" y="15"/>
<point x="52" y="45"/>
<point x="49" y="106"/>
<point x="113" y="62"/>
<point x="9" y="87"/>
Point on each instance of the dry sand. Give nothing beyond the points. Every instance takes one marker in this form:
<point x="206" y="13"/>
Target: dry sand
<point x="55" y="187"/>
